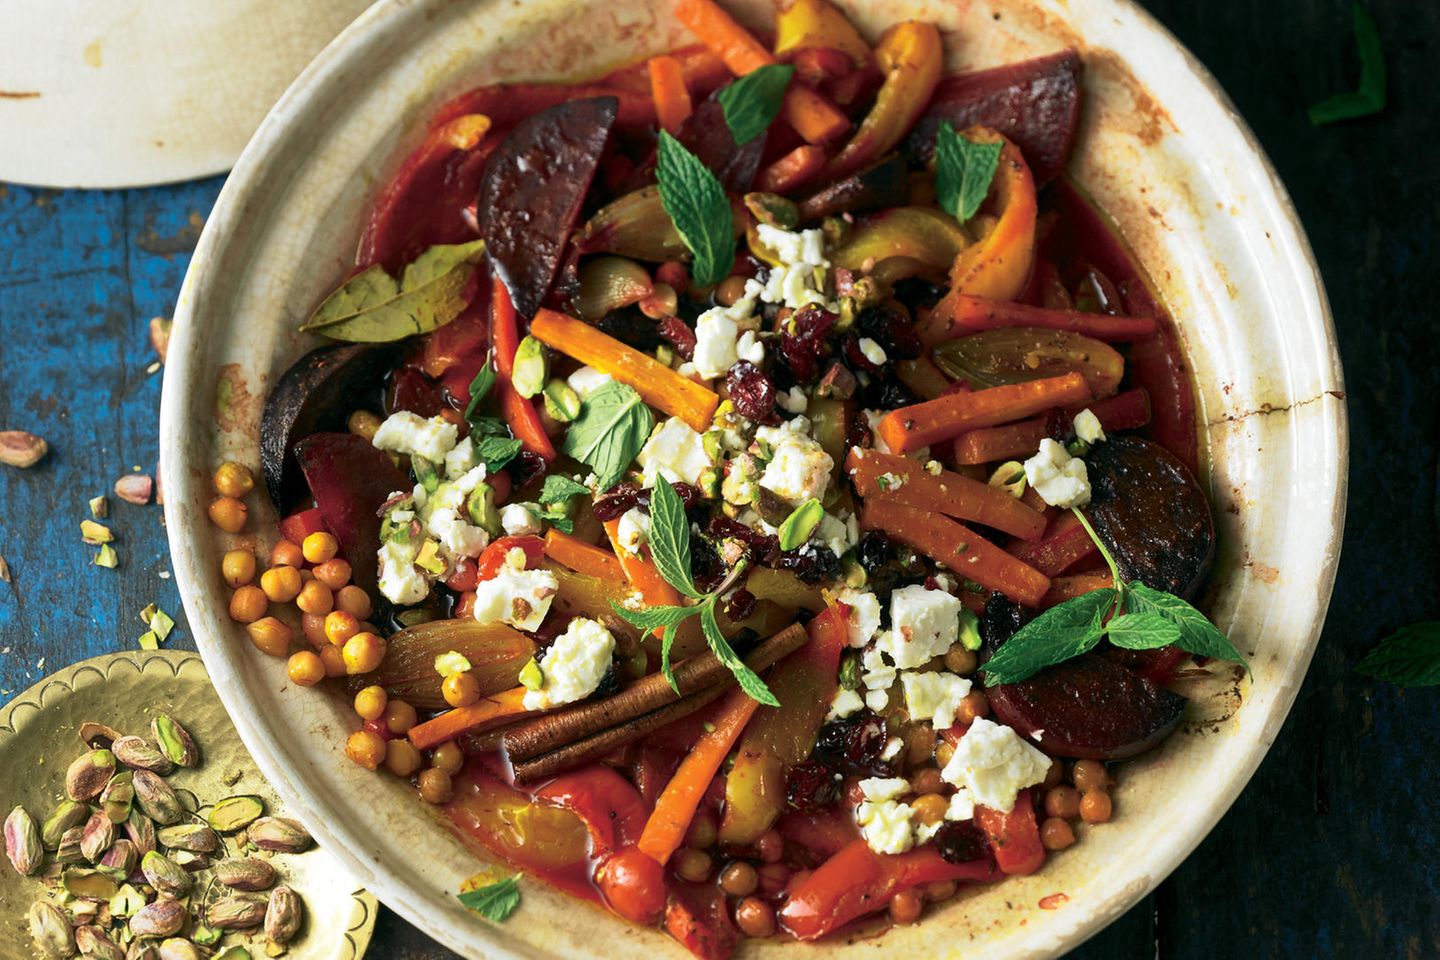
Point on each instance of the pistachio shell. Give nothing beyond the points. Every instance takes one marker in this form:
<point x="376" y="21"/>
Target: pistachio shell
<point x="69" y="813"/>
<point x="98" y="736"/>
<point x="235" y="813"/>
<point x="140" y="754"/>
<point x="157" y="799"/>
<point x="50" y="929"/>
<point x="141" y="831"/>
<point x="69" y="849"/>
<point x="143" y="950"/>
<point x="164" y="874"/>
<point x="249" y="873"/>
<point x="236" y="913"/>
<point x="283" y="915"/>
<point x="121" y="857"/>
<point x="195" y="837"/>
<point x="177" y="949"/>
<point x="162" y="918"/>
<point x="86" y="884"/>
<point x="96" y="943"/>
<point x="96" y="837"/>
<point x="279" y="834"/>
<point x="88" y="775"/>
<point x="22" y="842"/>
<point x="174" y="740"/>
<point x="118" y="796"/>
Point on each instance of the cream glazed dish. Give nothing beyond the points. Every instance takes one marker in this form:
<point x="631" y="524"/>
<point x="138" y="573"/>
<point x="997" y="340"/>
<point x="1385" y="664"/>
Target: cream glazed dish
<point x="715" y="476"/>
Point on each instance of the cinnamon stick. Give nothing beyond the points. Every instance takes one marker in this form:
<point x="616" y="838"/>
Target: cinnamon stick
<point x="555" y="730"/>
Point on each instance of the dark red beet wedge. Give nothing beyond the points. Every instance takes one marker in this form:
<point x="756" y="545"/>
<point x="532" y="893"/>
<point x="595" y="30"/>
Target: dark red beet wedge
<point x="1089" y="707"/>
<point x="349" y="480"/>
<point x="882" y="185"/>
<point x="532" y="190"/>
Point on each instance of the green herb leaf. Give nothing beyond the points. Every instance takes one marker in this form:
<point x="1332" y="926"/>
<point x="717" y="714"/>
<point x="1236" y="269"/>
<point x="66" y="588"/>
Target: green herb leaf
<point x="752" y="102"/>
<point x="373" y="307"/>
<point x="1064" y="631"/>
<point x="670" y="538"/>
<point x="494" y="901"/>
<point x="963" y="171"/>
<point x="495" y="452"/>
<point x="796" y="528"/>
<point x="609" y="432"/>
<point x="1197" y="634"/>
<point x="1409" y="657"/>
<point x="698" y="207"/>
<point x="656" y="618"/>
<point x="749" y="680"/>
<point x="488" y="427"/>
<point x="1142" y="631"/>
<point x="479" y="390"/>
<point x="559" y="488"/>
<point x="1370" y="97"/>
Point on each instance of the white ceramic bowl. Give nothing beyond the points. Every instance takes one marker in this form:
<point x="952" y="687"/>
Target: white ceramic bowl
<point x="1162" y="151"/>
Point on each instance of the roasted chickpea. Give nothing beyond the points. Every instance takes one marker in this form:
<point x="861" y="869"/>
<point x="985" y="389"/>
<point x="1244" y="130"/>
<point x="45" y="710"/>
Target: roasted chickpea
<point x="228" y="514"/>
<point x="739" y="879"/>
<point x="919" y="744"/>
<point x="305" y="668"/>
<point x="930" y="808"/>
<point x="464" y="609"/>
<point x="315" y="597"/>
<point x="1089" y="775"/>
<point x="366" y="748"/>
<point x="940" y="890"/>
<point x="334" y="573"/>
<point x="363" y="653"/>
<point x="399" y="717"/>
<point x="927" y="780"/>
<point x="974" y="706"/>
<point x="755" y="918"/>
<point x="1062" y="801"/>
<point x="448" y="757"/>
<point x="237" y="567"/>
<point x="286" y="553"/>
<point x="340" y="626"/>
<point x="370" y="702"/>
<point x="729" y="291"/>
<point x="773" y="877"/>
<point x="944" y="750"/>
<point x="363" y="423"/>
<point x="281" y="584"/>
<point x="319" y="547"/>
<point x="247" y="604"/>
<point x="961" y="661"/>
<point x="907" y="906"/>
<point x="435" y="786"/>
<point x="401" y="757"/>
<point x="1056" y="834"/>
<point x="355" y="601"/>
<point x="233" y="480"/>
<point x="1053" y="775"/>
<point x="270" y="636"/>
<point x="313" y="627"/>
<point x="1095" y="807"/>
<point x="770" y="846"/>
<point x="693" y="865"/>
<point x="333" y="659"/>
<point x="702" y="833"/>
<point x="460" y="689"/>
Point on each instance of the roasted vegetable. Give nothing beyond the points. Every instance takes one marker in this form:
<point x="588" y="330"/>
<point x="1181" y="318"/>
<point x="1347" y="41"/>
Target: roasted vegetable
<point x="349" y="480"/>
<point x="880" y="185"/>
<point x="495" y="652"/>
<point x="1021" y="354"/>
<point x="708" y="136"/>
<point x="921" y="235"/>
<point x="998" y="267"/>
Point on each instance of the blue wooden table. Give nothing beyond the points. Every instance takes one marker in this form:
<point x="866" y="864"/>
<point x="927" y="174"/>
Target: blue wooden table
<point x="1331" y="851"/>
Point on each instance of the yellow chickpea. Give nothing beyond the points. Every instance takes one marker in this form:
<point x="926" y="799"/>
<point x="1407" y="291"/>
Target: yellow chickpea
<point x="333" y="573"/>
<point x="228" y="514"/>
<point x="355" y="601"/>
<point x="340" y="626"/>
<point x="370" y="702"/>
<point x="363" y="653"/>
<point x="400" y="717"/>
<point x="237" y="567"/>
<point x="234" y="480"/>
<point x="363" y="423"/>
<point x="286" y="553"/>
<point x="334" y="661"/>
<point x="306" y="668"/>
<point x="313" y="628"/>
<point x="435" y="786"/>
<point x="448" y="757"/>
<point x="247" y="604"/>
<point x="281" y="584"/>
<point x="401" y="758"/>
<point x="366" y="748"/>
<point x="315" y="597"/>
<point x="460" y="689"/>
<point x="319" y="547"/>
<point x="270" y="636"/>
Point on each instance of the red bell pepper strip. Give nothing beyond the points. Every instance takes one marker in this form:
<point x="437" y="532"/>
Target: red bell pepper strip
<point x="492" y="558"/>
<point x="858" y="881"/>
<point x="1065" y="544"/>
<point x="518" y="412"/>
<point x="610" y="807"/>
<point x="1014" y="836"/>
<point x="698" y="917"/>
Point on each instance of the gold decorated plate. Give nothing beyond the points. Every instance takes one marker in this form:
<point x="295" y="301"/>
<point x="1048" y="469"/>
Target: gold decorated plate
<point x="39" y="737"/>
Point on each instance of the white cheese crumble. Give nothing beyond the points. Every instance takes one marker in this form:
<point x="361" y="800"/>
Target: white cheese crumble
<point x="924" y="624"/>
<point x="1060" y="479"/>
<point x="864" y="617"/>
<point x="877" y="675"/>
<point x="892" y="749"/>
<point x="1087" y="426"/>
<point x="413" y="435"/>
<point x="799" y="467"/>
<point x="992" y="763"/>
<point x="587" y="380"/>
<point x="634" y="529"/>
<point x="749" y="347"/>
<point x="793" y="400"/>
<point x="515" y="595"/>
<point x="873" y="351"/>
<point x="446" y="519"/>
<point x="519" y="519"/>
<point x="934" y="696"/>
<point x="462" y="459"/>
<point x="798" y="279"/>
<point x="717" y="333"/>
<point x="675" y="452"/>
<point x="877" y="700"/>
<point x="400" y="581"/>
<point x="884" y="822"/>
<point x="844" y="703"/>
<point x="573" y="666"/>
<point x="877" y="789"/>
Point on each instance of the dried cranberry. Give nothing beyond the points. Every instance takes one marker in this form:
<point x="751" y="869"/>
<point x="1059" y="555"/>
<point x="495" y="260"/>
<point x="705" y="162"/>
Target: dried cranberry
<point x="854" y="745"/>
<point x="812" y="786"/>
<point x="761" y="547"/>
<point x="855" y="357"/>
<point x="526" y="467"/>
<point x="960" y="841"/>
<point x="892" y="329"/>
<point x="751" y="391"/>
<point x="1057" y="425"/>
<point x="678" y="335"/>
<point x="811" y="564"/>
<point x="631" y="327"/>
<point x="616" y="502"/>
<point x="802" y="341"/>
<point x="706" y="567"/>
<point x="688" y="493"/>
<point x="887" y="393"/>
<point x="872" y="551"/>
<point x="858" y="433"/>
<point x="610" y="683"/>
<point x="740" y="605"/>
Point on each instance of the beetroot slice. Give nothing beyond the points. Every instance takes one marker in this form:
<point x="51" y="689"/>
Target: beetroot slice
<point x="532" y="191"/>
<point x="349" y="480"/>
<point x="317" y="393"/>
<point x="1088" y="707"/>
<point x="882" y="185"/>
<point x="1035" y="103"/>
<point x="706" y="134"/>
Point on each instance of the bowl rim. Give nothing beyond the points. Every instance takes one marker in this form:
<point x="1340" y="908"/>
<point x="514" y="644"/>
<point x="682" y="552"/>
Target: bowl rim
<point x="183" y="378"/>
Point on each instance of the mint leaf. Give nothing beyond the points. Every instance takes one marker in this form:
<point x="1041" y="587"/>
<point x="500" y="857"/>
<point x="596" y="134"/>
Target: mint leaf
<point x="495" y="452"/>
<point x="750" y="682"/>
<point x="494" y="901"/>
<point x="559" y="489"/>
<point x="963" y="171"/>
<point x="752" y="102"/>
<point x="698" y="207"/>
<point x="1370" y="97"/>
<point x="670" y="538"/>
<point x="1409" y="657"/>
<point x="1064" y="631"/>
<point x="1197" y="634"/>
<point x="611" y="429"/>
<point x="1142" y="631"/>
<point x="653" y="618"/>
<point x="488" y="427"/>
<point x="479" y="390"/>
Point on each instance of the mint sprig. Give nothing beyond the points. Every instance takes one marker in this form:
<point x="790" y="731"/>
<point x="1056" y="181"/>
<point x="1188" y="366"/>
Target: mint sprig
<point x="494" y="901"/>
<point x="670" y="552"/>
<point x="752" y="102"/>
<point x="699" y="208"/>
<point x="555" y="498"/>
<point x="1370" y="96"/>
<point x="963" y="171"/>
<point x="610" y="431"/>
<point x="1409" y="657"/>
<point x="1132" y="615"/>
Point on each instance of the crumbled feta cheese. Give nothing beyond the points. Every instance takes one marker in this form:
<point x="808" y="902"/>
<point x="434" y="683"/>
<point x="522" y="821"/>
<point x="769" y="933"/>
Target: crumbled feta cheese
<point x="675" y="452"/>
<point x="993" y="763"/>
<point x="873" y="351"/>
<point x="573" y="666"/>
<point x="413" y="435"/>
<point x="804" y="246"/>
<point x="715" y="343"/>
<point x="446" y="518"/>
<point x="799" y="468"/>
<point x="634" y="529"/>
<point x="462" y="459"/>
<point x="934" y="696"/>
<point x="587" y="380"/>
<point x="515" y="595"/>
<point x="519" y="519"/>
<point x="1060" y="479"/>
<point x="877" y="700"/>
<point x="885" y="825"/>
<point x="924" y="624"/>
<point x="962" y="806"/>
<point x="877" y="675"/>
<point x="844" y="703"/>
<point x="889" y="481"/>
<point x="864" y="617"/>
<point x="892" y="749"/>
<point x="1087" y="426"/>
<point x="749" y="347"/>
<point x="400" y="581"/>
<point x="793" y="400"/>
<point x="798" y="279"/>
<point x="934" y="468"/>
<point x="878" y="789"/>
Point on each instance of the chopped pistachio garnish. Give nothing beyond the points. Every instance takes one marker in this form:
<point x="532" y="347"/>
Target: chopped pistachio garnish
<point x="107" y="557"/>
<point x="99" y="508"/>
<point x="451" y="663"/>
<point x="95" y="533"/>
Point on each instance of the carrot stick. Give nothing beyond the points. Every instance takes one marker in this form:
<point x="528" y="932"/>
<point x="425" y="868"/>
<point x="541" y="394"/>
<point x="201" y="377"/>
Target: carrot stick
<point x="963" y="313"/>
<point x="1065" y="544"/>
<point x="813" y="117"/>
<point x="957" y="547"/>
<point x="793" y="170"/>
<point x="665" y="830"/>
<point x="947" y="492"/>
<point x="519" y="413"/>
<point x="667" y="86"/>
<point x="910" y="428"/>
<point x="489" y="712"/>
<point x="656" y="383"/>
<point x="1124" y="411"/>
<point x="582" y="557"/>
<point x="1068" y="588"/>
<point x="641" y="573"/>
